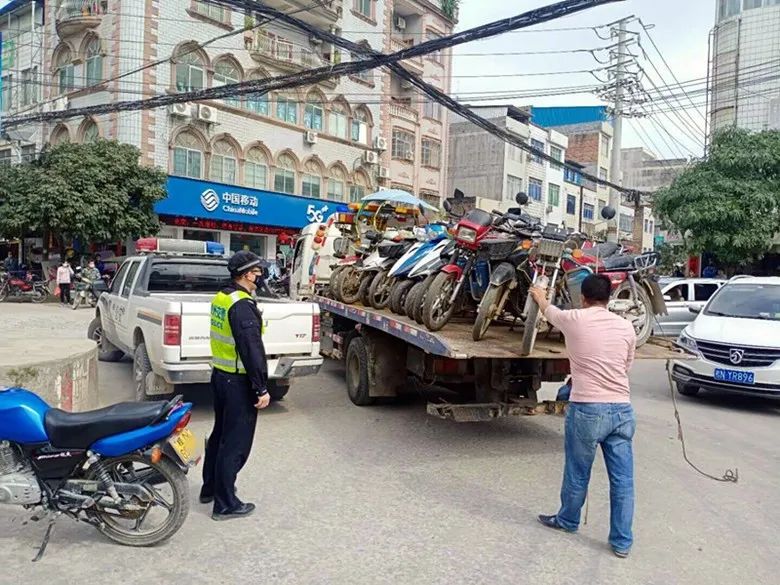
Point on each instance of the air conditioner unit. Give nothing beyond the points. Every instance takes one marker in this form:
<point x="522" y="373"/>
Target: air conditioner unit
<point x="183" y="109"/>
<point x="380" y="143"/>
<point x="408" y="155"/>
<point x="384" y="173"/>
<point x="310" y="137"/>
<point x="400" y="23"/>
<point x="370" y="157"/>
<point x="207" y="114"/>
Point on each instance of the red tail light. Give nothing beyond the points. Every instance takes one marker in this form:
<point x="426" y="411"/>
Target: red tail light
<point x="315" y="327"/>
<point x="172" y="330"/>
<point x="183" y="422"/>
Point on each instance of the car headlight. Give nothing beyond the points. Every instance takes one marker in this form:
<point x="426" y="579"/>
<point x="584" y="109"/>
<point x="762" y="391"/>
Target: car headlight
<point x="688" y="343"/>
<point x="467" y="235"/>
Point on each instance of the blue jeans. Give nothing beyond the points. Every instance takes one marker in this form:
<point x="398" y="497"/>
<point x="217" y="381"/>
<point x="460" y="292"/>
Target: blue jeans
<point x="611" y="425"/>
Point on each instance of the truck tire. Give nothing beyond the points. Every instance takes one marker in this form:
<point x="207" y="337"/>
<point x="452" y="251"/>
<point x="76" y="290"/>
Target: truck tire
<point x="106" y="351"/>
<point x="278" y="390"/>
<point x="687" y="390"/>
<point x="357" y="373"/>
<point x="530" y="330"/>
<point x="141" y="368"/>
<point x="398" y="295"/>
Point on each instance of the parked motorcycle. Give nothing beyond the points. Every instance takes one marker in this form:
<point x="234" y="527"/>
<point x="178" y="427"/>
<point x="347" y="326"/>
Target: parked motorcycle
<point x="423" y="274"/>
<point x="88" y="291"/>
<point x="121" y="468"/>
<point x="27" y="287"/>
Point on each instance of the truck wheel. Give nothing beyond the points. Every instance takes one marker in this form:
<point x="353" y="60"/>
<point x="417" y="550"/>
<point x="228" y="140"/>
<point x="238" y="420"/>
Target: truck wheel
<point x="398" y="295"/>
<point x="141" y="367"/>
<point x="106" y="351"/>
<point x="488" y="310"/>
<point x="530" y="330"/>
<point x="687" y="390"/>
<point x="277" y="389"/>
<point x="357" y="373"/>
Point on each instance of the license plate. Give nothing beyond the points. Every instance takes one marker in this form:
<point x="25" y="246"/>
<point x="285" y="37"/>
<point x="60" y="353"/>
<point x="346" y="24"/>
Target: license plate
<point x="186" y="446"/>
<point x="735" y="376"/>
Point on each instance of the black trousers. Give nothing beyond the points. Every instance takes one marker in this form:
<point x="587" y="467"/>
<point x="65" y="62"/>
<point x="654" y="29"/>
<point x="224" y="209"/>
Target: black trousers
<point x="64" y="293"/>
<point x="230" y="442"/>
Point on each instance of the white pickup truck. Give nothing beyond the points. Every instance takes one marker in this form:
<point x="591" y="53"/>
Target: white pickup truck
<point x="158" y="309"/>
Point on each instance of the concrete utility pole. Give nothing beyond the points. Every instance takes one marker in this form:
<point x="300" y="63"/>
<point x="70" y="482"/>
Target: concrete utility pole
<point x="617" y="139"/>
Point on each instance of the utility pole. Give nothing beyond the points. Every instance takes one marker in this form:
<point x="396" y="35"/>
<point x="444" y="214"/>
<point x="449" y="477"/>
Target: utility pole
<point x="617" y="139"/>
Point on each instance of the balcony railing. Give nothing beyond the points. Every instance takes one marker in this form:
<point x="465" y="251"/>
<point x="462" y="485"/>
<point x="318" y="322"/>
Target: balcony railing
<point x="399" y="111"/>
<point x="75" y="16"/>
<point x="284" y="53"/>
<point x="397" y="44"/>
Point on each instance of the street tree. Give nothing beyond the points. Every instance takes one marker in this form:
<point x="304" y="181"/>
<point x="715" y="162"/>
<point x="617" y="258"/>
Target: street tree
<point x="729" y="203"/>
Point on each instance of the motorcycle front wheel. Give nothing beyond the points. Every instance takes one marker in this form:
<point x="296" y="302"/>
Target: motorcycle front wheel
<point x="39" y="295"/>
<point x="148" y="522"/>
<point x="641" y="315"/>
<point x="349" y="285"/>
<point x="488" y="310"/>
<point x="76" y="302"/>
<point x="379" y="292"/>
<point x="530" y="330"/>
<point x="438" y="308"/>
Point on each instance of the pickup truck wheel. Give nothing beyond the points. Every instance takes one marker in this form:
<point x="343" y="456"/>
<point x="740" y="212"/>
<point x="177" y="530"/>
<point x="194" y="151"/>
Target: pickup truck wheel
<point x="276" y="390"/>
<point x="687" y="390"/>
<point x="357" y="373"/>
<point x="106" y="352"/>
<point x="141" y="367"/>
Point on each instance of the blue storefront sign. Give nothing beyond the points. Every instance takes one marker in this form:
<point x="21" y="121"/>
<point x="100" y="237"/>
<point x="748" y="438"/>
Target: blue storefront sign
<point x="219" y="202"/>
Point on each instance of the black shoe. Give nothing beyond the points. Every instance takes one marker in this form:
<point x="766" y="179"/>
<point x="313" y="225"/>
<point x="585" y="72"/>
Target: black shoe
<point x="240" y="512"/>
<point x="206" y="499"/>
<point x="551" y="522"/>
<point x="622" y="554"/>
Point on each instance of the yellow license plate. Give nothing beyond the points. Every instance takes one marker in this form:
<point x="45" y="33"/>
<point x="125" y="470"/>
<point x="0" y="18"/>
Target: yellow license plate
<point x="186" y="446"/>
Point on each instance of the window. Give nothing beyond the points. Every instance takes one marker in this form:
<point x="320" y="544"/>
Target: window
<point x="226" y="73"/>
<point x="432" y="109"/>
<point x="93" y="63"/>
<point x="6" y="95"/>
<point x="223" y="163"/>
<point x="212" y="11"/>
<point x="90" y="133"/>
<point x="6" y="156"/>
<point x="625" y="222"/>
<point x="284" y="177"/>
<point x="535" y="189"/>
<point x="571" y="176"/>
<point x="434" y="55"/>
<point x="356" y="193"/>
<point x="29" y="86"/>
<point x="367" y="75"/>
<point x="128" y="285"/>
<point x="365" y="7"/>
<point x="403" y="144"/>
<point x="431" y="153"/>
<point x="256" y="169"/>
<point x="188" y="276"/>
<point x="587" y="211"/>
<point x="311" y="185"/>
<point x="750" y="4"/>
<point x="313" y="114"/>
<point x="605" y="146"/>
<point x="59" y="135"/>
<point x="190" y="72"/>
<point x="287" y="109"/>
<point x="117" y="280"/>
<point x="65" y="71"/>
<point x="514" y="185"/>
<point x="257" y="103"/>
<point x="703" y="292"/>
<point x="603" y="174"/>
<point x="337" y="121"/>
<point x="28" y="153"/>
<point x="188" y="156"/>
<point x="557" y="154"/>
<point x="571" y="205"/>
<point x="678" y="293"/>
<point x="538" y="145"/>
<point x="359" y="132"/>
<point x="647" y="223"/>
<point x="553" y="195"/>
<point x="650" y="226"/>
<point x="336" y="184"/>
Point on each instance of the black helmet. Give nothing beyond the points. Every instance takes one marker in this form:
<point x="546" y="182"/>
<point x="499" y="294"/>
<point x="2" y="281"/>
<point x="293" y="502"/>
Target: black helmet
<point x="242" y="262"/>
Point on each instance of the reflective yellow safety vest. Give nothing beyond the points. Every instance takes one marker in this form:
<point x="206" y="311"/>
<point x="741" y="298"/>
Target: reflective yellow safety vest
<point x="224" y="355"/>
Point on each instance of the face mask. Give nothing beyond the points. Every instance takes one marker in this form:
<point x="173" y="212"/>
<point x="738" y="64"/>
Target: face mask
<point x="258" y="280"/>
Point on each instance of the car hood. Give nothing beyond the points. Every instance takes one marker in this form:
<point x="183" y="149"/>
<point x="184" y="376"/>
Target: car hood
<point x="729" y="330"/>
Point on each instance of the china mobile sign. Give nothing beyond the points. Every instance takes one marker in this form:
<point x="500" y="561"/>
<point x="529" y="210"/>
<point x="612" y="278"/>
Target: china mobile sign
<point x="214" y="201"/>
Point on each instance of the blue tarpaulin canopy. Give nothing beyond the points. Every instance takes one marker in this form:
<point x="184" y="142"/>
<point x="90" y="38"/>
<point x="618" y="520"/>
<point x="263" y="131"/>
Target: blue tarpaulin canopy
<point x="398" y="196"/>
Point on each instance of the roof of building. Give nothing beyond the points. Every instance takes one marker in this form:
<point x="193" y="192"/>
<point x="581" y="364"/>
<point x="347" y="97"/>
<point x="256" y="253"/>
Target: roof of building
<point x="511" y="111"/>
<point x="568" y="115"/>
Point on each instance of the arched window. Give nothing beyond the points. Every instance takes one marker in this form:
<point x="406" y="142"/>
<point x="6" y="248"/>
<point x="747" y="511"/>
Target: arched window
<point x="224" y="163"/>
<point x="227" y="72"/>
<point x="287" y="108"/>
<point x="188" y="156"/>
<point x="360" y="120"/>
<point x="311" y="185"/>
<point x="336" y="183"/>
<point x="258" y="102"/>
<point x="60" y="135"/>
<point x="337" y="120"/>
<point x="359" y="187"/>
<point x="93" y="63"/>
<point x="256" y="169"/>
<point x="64" y="70"/>
<point x="314" y="114"/>
<point x="89" y="132"/>
<point x="190" y="70"/>
<point x="284" y="177"/>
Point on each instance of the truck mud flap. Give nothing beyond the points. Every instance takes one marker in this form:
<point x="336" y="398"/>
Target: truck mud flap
<point x="493" y="410"/>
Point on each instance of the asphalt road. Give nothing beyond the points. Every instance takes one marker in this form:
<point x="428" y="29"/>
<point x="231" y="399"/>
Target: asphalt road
<point x="387" y="494"/>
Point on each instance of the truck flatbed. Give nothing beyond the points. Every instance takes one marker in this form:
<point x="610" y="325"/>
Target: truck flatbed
<point x="455" y="341"/>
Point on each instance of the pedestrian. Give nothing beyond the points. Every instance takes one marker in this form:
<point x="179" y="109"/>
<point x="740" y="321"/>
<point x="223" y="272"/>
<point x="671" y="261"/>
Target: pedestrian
<point x="10" y="264"/>
<point x="601" y="348"/>
<point x="91" y="272"/>
<point x="64" y="277"/>
<point x="710" y="271"/>
<point x="99" y="264"/>
<point x="238" y="381"/>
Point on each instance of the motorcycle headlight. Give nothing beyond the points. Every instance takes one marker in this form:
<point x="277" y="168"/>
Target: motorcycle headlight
<point x="687" y="343"/>
<point x="467" y="235"/>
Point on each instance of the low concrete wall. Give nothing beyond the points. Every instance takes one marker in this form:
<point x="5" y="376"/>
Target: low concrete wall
<point x="61" y="371"/>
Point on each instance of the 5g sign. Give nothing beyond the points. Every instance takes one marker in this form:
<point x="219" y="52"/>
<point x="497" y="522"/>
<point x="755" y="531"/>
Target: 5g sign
<point x="314" y="215"/>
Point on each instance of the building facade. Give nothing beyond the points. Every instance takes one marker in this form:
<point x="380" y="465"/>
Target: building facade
<point x="744" y="89"/>
<point x="307" y="149"/>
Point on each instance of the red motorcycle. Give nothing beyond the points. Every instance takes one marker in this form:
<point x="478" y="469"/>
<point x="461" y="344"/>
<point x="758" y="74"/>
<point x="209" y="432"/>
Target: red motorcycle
<point x="27" y="287"/>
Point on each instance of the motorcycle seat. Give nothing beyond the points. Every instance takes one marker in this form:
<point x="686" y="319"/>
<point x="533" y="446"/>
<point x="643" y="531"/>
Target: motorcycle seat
<point x="79" y="430"/>
<point x="604" y="249"/>
<point x="619" y="261"/>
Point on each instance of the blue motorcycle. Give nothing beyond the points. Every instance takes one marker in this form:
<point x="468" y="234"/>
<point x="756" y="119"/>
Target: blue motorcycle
<point x="121" y="468"/>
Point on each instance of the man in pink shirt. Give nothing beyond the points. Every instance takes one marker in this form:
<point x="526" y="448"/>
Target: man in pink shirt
<point x="601" y="349"/>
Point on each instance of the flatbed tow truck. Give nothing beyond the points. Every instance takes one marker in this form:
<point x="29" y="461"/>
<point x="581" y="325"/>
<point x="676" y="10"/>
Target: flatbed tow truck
<point x="490" y="378"/>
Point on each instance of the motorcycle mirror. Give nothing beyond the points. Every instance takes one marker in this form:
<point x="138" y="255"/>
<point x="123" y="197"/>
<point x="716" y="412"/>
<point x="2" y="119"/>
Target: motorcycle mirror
<point x="447" y="205"/>
<point x="521" y="198"/>
<point x="608" y="212"/>
<point x="458" y="194"/>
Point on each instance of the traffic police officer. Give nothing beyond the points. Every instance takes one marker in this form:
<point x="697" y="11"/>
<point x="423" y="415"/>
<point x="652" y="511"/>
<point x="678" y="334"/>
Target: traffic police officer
<point x="238" y="381"/>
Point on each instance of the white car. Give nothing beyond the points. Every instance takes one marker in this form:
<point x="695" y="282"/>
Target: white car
<point x="736" y="339"/>
<point x="680" y="295"/>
